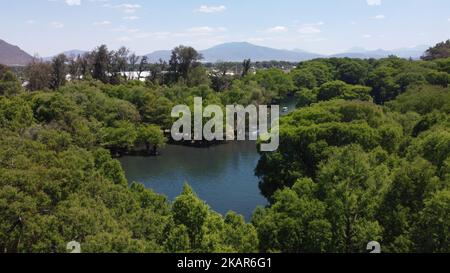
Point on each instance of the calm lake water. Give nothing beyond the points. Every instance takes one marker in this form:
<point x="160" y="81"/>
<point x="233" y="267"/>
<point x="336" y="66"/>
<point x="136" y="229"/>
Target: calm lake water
<point x="222" y="175"/>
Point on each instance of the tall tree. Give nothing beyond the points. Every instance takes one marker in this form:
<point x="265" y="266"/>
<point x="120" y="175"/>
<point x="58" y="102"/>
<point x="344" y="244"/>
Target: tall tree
<point x="120" y="60"/>
<point x="183" y="60"/>
<point x="58" y="71"/>
<point x="246" y="65"/>
<point x="101" y="63"/>
<point x="190" y="211"/>
<point x="38" y="74"/>
<point x="133" y="59"/>
<point x="85" y="63"/>
<point x="143" y="65"/>
<point x="74" y="68"/>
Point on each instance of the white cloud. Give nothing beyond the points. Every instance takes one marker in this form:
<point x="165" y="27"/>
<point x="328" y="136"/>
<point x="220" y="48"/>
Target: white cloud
<point x="211" y="9"/>
<point x="129" y="8"/>
<point x="126" y="8"/>
<point x="57" y="24"/>
<point x="373" y="2"/>
<point x="200" y="32"/>
<point x="126" y="29"/>
<point x="310" y="28"/>
<point x="154" y="35"/>
<point x="255" y="40"/>
<point x="367" y="36"/>
<point x="73" y="2"/>
<point x="379" y="17"/>
<point x="205" y="30"/>
<point x="102" y="23"/>
<point x="277" y="29"/>
<point x="31" y="22"/>
<point x="131" y="18"/>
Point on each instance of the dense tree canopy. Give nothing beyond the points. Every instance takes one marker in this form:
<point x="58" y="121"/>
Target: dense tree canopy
<point x="365" y="157"/>
<point x="347" y="171"/>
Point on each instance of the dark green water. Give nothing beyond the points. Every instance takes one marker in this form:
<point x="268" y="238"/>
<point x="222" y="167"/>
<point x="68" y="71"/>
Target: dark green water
<point x="222" y="175"/>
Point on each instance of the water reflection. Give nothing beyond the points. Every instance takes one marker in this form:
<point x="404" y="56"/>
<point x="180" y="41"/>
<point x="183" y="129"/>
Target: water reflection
<point x="221" y="175"/>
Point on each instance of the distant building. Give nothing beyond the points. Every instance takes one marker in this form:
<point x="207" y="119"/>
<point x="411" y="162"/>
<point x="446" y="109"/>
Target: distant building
<point x="134" y="75"/>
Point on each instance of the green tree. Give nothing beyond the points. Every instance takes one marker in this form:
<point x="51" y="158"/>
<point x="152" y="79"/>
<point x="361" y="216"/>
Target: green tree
<point x="59" y="71"/>
<point x="15" y="114"/>
<point x="438" y="78"/>
<point x="407" y="79"/>
<point x="384" y="87"/>
<point x="439" y="51"/>
<point x="433" y="227"/>
<point x="352" y="72"/>
<point x="178" y="240"/>
<point x="304" y="78"/>
<point x="422" y="100"/>
<point x="197" y="76"/>
<point x="352" y="187"/>
<point x="38" y="74"/>
<point x="295" y="223"/>
<point x="156" y="109"/>
<point x="182" y="61"/>
<point x="9" y="84"/>
<point x="152" y="137"/>
<point x="413" y="182"/>
<point x="322" y="70"/>
<point x="331" y="90"/>
<point x="276" y="81"/>
<point x="120" y="138"/>
<point x="246" y="65"/>
<point x="101" y="60"/>
<point x="307" y="135"/>
<point x="190" y="211"/>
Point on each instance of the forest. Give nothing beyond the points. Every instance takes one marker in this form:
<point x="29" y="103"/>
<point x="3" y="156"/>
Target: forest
<point x="364" y="157"/>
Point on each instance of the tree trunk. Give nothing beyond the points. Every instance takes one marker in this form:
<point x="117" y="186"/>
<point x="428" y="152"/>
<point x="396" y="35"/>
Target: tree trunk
<point x="147" y="148"/>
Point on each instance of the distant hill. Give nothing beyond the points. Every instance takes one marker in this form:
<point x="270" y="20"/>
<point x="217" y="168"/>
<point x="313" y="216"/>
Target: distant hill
<point x="159" y="55"/>
<point x="229" y="52"/>
<point x="69" y="54"/>
<point x="237" y="52"/>
<point x="11" y="55"/>
<point x="361" y="53"/>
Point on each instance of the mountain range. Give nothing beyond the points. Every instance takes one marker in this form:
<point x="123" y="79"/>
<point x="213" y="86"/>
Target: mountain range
<point x="361" y="53"/>
<point x="237" y="52"/>
<point x="230" y="52"/>
<point x="12" y="55"/>
<point x="70" y="54"/>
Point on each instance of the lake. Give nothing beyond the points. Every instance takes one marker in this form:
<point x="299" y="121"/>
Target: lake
<point x="223" y="175"/>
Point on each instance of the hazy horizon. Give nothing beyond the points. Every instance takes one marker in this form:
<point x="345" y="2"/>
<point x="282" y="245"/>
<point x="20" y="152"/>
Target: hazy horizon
<point x="324" y="26"/>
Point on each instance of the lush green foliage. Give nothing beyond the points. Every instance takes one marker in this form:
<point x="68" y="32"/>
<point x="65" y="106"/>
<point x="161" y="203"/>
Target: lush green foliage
<point x="349" y="172"/>
<point x="366" y="157"/>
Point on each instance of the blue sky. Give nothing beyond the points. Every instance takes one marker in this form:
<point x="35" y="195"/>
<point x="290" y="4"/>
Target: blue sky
<point x="48" y="27"/>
